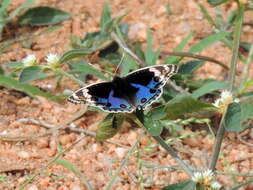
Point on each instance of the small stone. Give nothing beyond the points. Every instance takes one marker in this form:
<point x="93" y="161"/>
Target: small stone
<point x="76" y="187"/>
<point x="97" y="147"/>
<point x="131" y="138"/>
<point x="121" y="152"/>
<point x="65" y="139"/>
<point x="23" y="154"/>
<point x="24" y="101"/>
<point x="45" y="182"/>
<point x="33" y="187"/>
<point x="42" y="143"/>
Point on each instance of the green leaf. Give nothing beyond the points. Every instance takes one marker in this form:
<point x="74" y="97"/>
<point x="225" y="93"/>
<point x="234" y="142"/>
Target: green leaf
<point x="127" y="65"/>
<point x="247" y="110"/>
<point x="184" y="104"/>
<point x="9" y="82"/>
<point x="105" y="18"/>
<point x="247" y="84"/>
<point x="180" y="47"/>
<point x="41" y="16"/>
<point x="239" y="116"/>
<point x="25" y="5"/>
<point x="74" y="54"/>
<point x="87" y="69"/>
<point x="15" y="64"/>
<point x="154" y="127"/>
<point x="1" y="71"/>
<point x="157" y="113"/>
<point x="68" y="165"/>
<point x="215" y="3"/>
<point x="71" y="167"/>
<point x="233" y="117"/>
<point x="31" y="73"/>
<point x="209" y="87"/>
<point x="4" y="5"/>
<point x="209" y="40"/>
<point x="90" y="38"/>
<point x="184" y="185"/>
<point x="109" y="126"/>
<point x="150" y="55"/>
<point x="190" y="67"/>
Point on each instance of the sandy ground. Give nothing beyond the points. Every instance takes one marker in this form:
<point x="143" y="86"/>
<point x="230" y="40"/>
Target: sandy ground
<point x="96" y="160"/>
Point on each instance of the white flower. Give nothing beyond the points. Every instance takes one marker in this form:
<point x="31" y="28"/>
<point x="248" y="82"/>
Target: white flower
<point x="217" y="103"/>
<point x="215" y="185"/>
<point x="53" y="60"/>
<point x="208" y="175"/>
<point x="29" y="60"/>
<point x="203" y="177"/>
<point x="197" y="177"/>
<point x="226" y="94"/>
<point x="237" y="100"/>
<point x="225" y="99"/>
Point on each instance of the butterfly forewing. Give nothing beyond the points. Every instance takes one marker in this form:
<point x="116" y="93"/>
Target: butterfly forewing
<point x="149" y="82"/>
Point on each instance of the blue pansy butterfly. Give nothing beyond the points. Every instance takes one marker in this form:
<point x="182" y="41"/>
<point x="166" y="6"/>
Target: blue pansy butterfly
<point x="138" y="89"/>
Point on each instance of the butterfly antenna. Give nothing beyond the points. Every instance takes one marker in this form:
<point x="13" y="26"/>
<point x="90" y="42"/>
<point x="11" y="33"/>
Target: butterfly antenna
<point x="99" y="69"/>
<point x="118" y="66"/>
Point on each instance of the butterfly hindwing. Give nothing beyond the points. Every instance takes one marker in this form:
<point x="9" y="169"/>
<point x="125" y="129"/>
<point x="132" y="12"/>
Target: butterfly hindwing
<point x="149" y="82"/>
<point x="101" y="95"/>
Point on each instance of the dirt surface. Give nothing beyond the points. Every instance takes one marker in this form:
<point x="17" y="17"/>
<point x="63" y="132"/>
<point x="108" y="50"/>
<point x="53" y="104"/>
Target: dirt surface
<point x="98" y="161"/>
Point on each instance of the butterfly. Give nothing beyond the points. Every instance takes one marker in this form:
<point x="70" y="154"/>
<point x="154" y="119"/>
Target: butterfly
<point x="137" y="90"/>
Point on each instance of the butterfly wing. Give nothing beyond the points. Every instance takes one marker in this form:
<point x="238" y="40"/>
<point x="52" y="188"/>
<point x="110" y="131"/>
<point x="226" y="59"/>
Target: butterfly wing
<point x="101" y="95"/>
<point x="149" y="82"/>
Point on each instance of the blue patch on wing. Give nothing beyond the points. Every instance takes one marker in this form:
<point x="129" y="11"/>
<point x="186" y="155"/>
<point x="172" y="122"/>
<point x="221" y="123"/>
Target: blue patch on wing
<point x="115" y="104"/>
<point x="145" y="95"/>
<point x="154" y="84"/>
<point x="100" y="101"/>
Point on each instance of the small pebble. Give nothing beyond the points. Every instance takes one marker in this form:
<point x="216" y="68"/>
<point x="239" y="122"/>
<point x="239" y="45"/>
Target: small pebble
<point x="121" y="152"/>
<point x="42" y="143"/>
<point x="33" y="187"/>
<point x="23" y="154"/>
<point x="76" y="187"/>
<point x="65" y="139"/>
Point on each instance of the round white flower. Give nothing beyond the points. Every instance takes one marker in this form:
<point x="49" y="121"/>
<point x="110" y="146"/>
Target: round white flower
<point x="225" y="99"/>
<point x="53" y="60"/>
<point x="29" y="60"/>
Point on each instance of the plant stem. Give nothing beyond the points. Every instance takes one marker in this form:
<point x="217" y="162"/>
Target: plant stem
<point x="218" y="142"/>
<point x="186" y="54"/>
<point x="126" y="49"/>
<point x="245" y="72"/>
<point x="171" y="152"/>
<point x="184" y="166"/>
<point x="70" y="76"/>
<point x="236" y="43"/>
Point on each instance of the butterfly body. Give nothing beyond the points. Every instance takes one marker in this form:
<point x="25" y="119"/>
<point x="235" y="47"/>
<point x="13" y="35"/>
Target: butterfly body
<point x="138" y="89"/>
